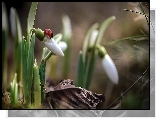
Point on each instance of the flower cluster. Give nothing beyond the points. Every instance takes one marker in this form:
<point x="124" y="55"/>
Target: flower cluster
<point x="47" y="37"/>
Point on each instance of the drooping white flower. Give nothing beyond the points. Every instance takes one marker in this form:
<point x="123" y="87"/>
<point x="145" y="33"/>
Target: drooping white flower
<point x="110" y="69"/>
<point x="62" y="45"/>
<point x="51" y="44"/>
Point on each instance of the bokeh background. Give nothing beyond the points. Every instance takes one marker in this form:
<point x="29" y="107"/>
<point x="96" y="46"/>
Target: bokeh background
<point x="130" y="57"/>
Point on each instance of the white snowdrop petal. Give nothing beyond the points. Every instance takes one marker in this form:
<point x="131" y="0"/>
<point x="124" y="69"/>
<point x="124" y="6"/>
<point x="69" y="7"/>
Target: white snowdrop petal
<point x="93" y="37"/>
<point x="53" y="46"/>
<point x="110" y="69"/>
<point x="62" y="45"/>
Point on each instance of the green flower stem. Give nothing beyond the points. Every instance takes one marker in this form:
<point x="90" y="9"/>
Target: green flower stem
<point x="102" y="29"/>
<point x="90" y="69"/>
<point x="42" y="73"/>
<point x="67" y="35"/>
<point x="30" y="61"/>
<point x="36" y="85"/>
<point x="47" y="56"/>
<point x="80" y="72"/>
<point x="90" y="65"/>
<point x="85" y="51"/>
<point x="24" y="71"/>
<point x="66" y="61"/>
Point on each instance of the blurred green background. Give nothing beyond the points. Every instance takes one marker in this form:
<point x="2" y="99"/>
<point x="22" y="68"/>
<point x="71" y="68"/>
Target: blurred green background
<point x="130" y="57"/>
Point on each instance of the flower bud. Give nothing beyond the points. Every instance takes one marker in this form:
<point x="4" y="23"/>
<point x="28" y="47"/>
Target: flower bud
<point x="39" y="34"/>
<point x="110" y="69"/>
<point x="101" y="51"/>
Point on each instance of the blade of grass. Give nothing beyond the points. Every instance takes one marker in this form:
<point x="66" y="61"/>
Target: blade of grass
<point x="36" y="86"/>
<point x="90" y="69"/>
<point x="24" y="71"/>
<point x="80" y="72"/>
<point x="14" y="92"/>
<point x="30" y="22"/>
<point x="42" y="70"/>
<point x="30" y="61"/>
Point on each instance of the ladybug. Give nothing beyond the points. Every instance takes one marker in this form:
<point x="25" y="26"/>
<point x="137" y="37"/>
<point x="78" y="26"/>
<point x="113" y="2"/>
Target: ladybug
<point x="48" y="32"/>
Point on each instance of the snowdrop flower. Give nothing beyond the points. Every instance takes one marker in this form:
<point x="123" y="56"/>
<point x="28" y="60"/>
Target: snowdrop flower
<point x="47" y="37"/>
<point x="108" y="65"/>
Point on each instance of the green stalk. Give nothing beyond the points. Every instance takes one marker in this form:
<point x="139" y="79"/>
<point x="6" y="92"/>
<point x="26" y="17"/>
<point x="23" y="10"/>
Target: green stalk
<point x="27" y="69"/>
<point x="36" y="86"/>
<point x="80" y="72"/>
<point x="67" y="35"/>
<point x="14" y="92"/>
<point x="30" y="61"/>
<point x="90" y="65"/>
<point x="85" y="51"/>
<point x="66" y="61"/>
<point x="90" y="69"/>
<point x="102" y="29"/>
<point x="24" y="71"/>
<point x="42" y="71"/>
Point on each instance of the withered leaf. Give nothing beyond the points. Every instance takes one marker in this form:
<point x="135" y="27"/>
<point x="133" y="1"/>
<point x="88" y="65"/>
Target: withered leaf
<point x="66" y="96"/>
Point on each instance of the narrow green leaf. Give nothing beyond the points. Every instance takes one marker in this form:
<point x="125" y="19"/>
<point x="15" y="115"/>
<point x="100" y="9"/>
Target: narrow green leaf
<point x="14" y="92"/>
<point x="11" y="94"/>
<point x="36" y="85"/>
<point x="80" y="72"/>
<point x="90" y="69"/>
<point x="24" y="71"/>
<point x="42" y="70"/>
<point x="102" y="29"/>
<point x="31" y="16"/>
<point x="30" y="61"/>
<point x="30" y="22"/>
